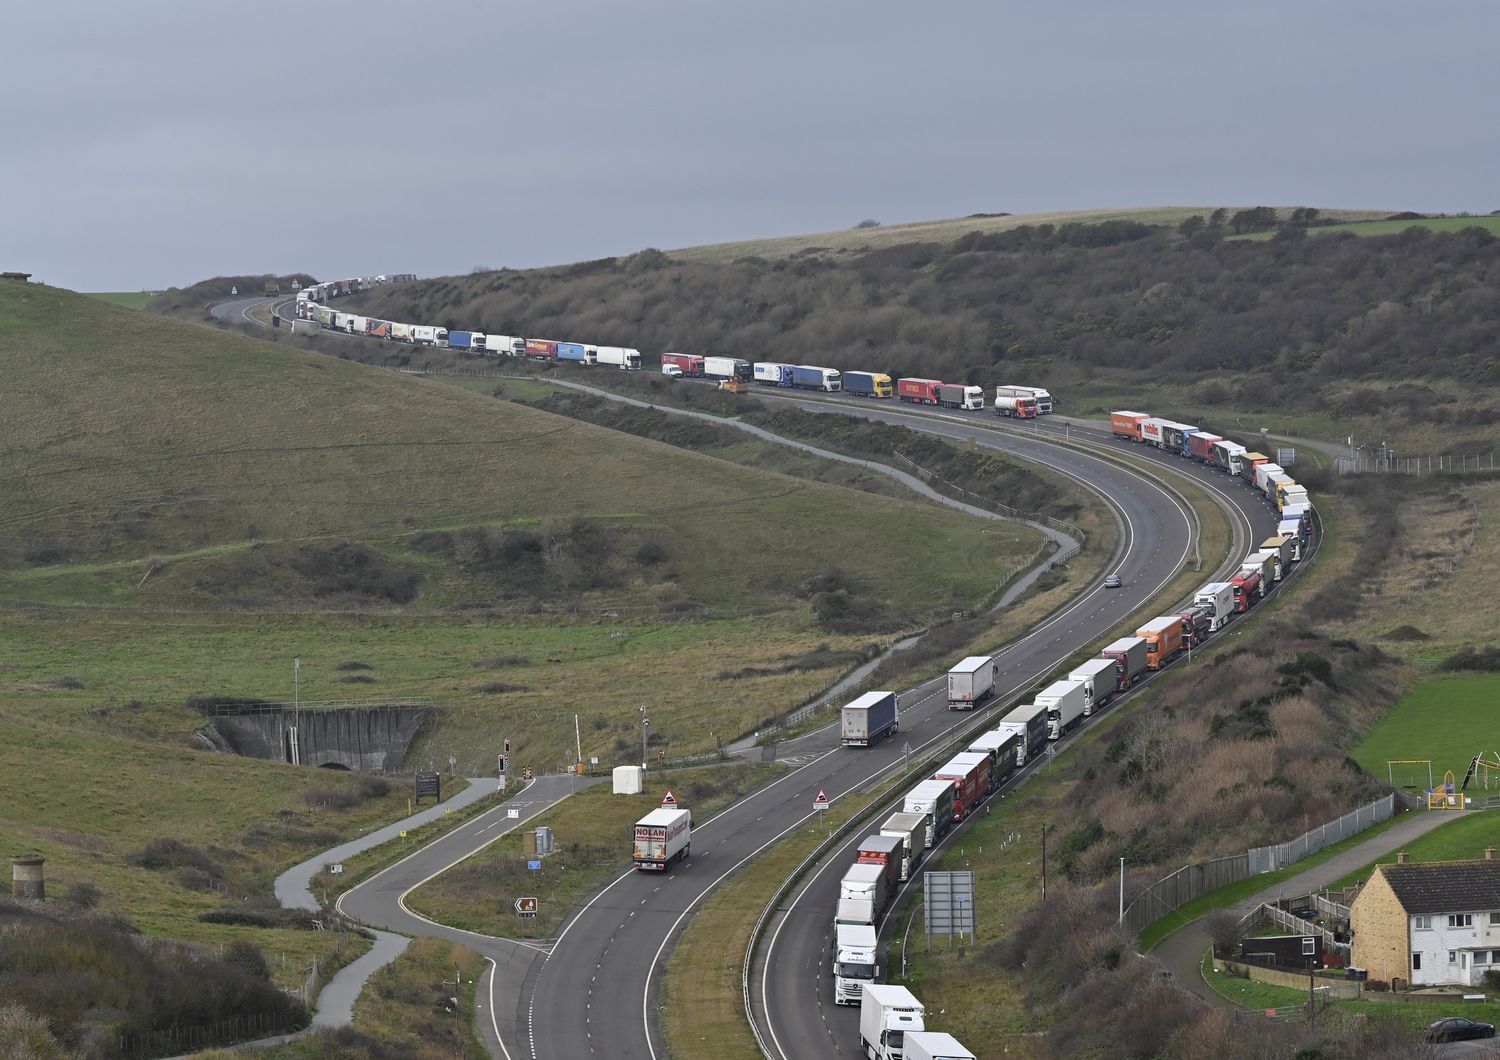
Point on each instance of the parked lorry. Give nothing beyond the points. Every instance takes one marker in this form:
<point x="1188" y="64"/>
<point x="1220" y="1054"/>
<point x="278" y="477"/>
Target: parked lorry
<point x="1284" y="545"/>
<point x="1016" y="402"/>
<point x="1201" y="446"/>
<point x="854" y="912"/>
<point x="1065" y="702"/>
<point x="272" y="288"/>
<point x="1127" y="425"/>
<point x="1303" y="514"/>
<point x="770" y="373"/>
<point x="933" y="1045"/>
<point x="662" y="837"/>
<point x="1264" y="561"/>
<point x="1152" y="428"/>
<point x="378" y="329"/>
<point x="1098" y="679"/>
<point x="509" y="345"/>
<point x="1263" y="473"/>
<point x="959" y="396"/>
<point x="1291" y="529"/>
<point x="546" y="349"/>
<point x="424" y="335"/>
<point x="691" y="364"/>
<point x="576" y="352"/>
<point x="1218" y="598"/>
<point x="868" y="883"/>
<point x="1163" y="637"/>
<point x="869" y="719"/>
<point x="811" y="377"/>
<point x="1197" y="624"/>
<point x="911" y="829"/>
<point x="1129" y="654"/>
<point x="917" y="391"/>
<point x="399" y="332"/>
<point x="1247" y="588"/>
<point x="1174" y="437"/>
<point x="933" y="799"/>
<point x="886" y="851"/>
<point x="869" y="384"/>
<point x="886" y="1015"/>
<point x="1042" y="398"/>
<point x="1030" y="724"/>
<point x="970" y="773"/>
<point x="1293" y="496"/>
<point x="1229" y="456"/>
<point x="726" y="368"/>
<point x="457" y="340"/>
<point x="1003" y="749"/>
<point x="854" y="962"/>
<point x="971" y="682"/>
<point x="625" y="358"/>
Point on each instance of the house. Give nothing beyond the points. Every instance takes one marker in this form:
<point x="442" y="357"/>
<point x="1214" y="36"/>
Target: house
<point x="1430" y="924"/>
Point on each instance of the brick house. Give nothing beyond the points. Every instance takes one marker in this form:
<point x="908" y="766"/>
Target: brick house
<point x="1430" y="924"/>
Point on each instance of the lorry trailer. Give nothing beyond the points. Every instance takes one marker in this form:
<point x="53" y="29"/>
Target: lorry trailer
<point x="1065" y="702"/>
<point x="662" y="837"/>
<point x="1263" y="560"/>
<point x="1218" y="599"/>
<point x="1030" y="724"/>
<point x="933" y="799"/>
<point x="959" y="396"/>
<point x="1291" y="530"/>
<point x="1129" y="654"/>
<point x="1229" y="456"/>
<point x="726" y="368"/>
<point x="869" y="384"/>
<point x="1098" y="679"/>
<point x="1163" y="637"/>
<point x="970" y="773"/>
<point x="811" y="377"/>
<point x="690" y="363"/>
<point x="770" y="373"/>
<point x="916" y="391"/>
<point x="911" y="829"/>
<point x="886" y="1014"/>
<point x="1281" y="546"/>
<point x="1201" y="446"/>
<point x="885" y="851"/>
<point x="869" y="719"/>
<point x="1127" y="425"/>
<point x="971" y="682"/>
<point x="1002" y="747"/>
<point x="933" y="1045"/>
<point x="868" y="883"/>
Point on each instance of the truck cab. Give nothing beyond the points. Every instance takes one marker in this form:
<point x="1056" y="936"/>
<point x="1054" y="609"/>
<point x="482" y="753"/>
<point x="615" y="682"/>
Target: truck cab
<point x="854" y="962"/>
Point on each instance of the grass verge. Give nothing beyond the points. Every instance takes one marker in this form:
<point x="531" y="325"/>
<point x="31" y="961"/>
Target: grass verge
<point x="1444" y="720"/>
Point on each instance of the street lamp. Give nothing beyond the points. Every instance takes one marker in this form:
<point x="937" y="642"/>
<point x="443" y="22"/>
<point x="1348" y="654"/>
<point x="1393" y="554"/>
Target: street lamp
<point x="645" y="732"/>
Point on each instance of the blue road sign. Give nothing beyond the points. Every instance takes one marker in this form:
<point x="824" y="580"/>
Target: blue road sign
<point x="533" y="864"/>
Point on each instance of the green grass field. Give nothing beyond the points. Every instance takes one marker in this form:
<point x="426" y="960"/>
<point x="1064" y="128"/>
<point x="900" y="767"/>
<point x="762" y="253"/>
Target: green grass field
<point x="1490" y="223"/>
<point x="1447" y="720"/>
<point x="129" y="299"/>
<point x="1462" y="839"/>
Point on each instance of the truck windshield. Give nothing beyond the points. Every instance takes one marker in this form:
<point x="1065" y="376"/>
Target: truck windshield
<point x="845" y="970"/>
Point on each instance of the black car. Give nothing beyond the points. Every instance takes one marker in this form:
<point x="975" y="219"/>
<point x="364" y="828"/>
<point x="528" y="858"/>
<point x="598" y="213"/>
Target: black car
<point x="1457" y="1029"/>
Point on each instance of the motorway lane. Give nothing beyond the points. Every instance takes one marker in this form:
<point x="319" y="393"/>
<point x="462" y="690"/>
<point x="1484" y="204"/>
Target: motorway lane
<point x="238" y="311"/>
<point x="597" y="994"/>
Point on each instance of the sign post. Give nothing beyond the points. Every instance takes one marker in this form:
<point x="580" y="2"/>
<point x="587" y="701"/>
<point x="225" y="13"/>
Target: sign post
<point x="526" y="907"/>
<point x="821" y="803"/>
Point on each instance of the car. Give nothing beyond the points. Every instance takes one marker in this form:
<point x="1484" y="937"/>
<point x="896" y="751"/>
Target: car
<point x="671" y="371"/>
<point x="1457" y="1029"/>
<point x="1112" y="582"/>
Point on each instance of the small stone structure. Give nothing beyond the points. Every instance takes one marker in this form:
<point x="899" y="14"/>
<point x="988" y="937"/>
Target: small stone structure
<point x="27" y="881"/>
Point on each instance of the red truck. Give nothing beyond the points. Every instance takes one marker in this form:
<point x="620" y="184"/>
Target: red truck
<point x="1201" y="446"/>
<point x="886" y="850"/>
<point x="918" y="391"/>
<point x="1197" y="623"/>
<point x="544" y="348"/>
<point x="1129" y="654"/>
<point x="690" y="363"/>
<point x="970" y="773"/>
<point x="1127" y="425"/>
<point x="1247" y="589"/>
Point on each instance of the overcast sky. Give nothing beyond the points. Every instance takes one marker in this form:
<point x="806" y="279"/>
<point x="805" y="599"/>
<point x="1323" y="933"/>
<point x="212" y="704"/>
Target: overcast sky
<point x="160" y="142"/>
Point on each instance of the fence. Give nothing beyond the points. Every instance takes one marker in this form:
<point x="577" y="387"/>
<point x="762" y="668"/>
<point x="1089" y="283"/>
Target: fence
<point x="1167" y="894"/>
<point x="1271" y="858"/>
<point x="175" y="1040"/>
<point x="1297" y="926"/>
<point x="1385" y="462"/>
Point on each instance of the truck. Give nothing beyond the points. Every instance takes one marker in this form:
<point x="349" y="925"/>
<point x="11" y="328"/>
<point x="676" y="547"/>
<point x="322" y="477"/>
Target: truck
<point x="1065" y="702"/>
<point x="1284" y="545"/>
<point x="545" y="349"/>
<point x="1129" y="654"/>
<point x="971" y="682"/>
<point x="1201" y="446"/>
<point x="1293" y="496"/>
<point x="1003" y="749"/>
<point x="1127" y="425"/>
<point x="868" y="883"/>
<point x="869" y="719"/>
<point x="933" y="1045"/>
<point x="1197" y="625"/>
<point x="854" y="912"/>
<point x="1042" y="398"/>
<point x="425" y="335"/>
<point x="1030" y="724"/>
<point x="933" y="799"/>
<point x="662" y="837"/>
<point x="772" y="373"/>
<point x="1098" y="679"/>
<point x="690" y="363"/>
<point x="460" y="340"/>
<point x="886" y="1015"/>
<point x="869" y="384"/>
<point x="1247" y="588"/>
<point x="507" y="345"/>
<point x="625" y="358"/>
<point x="970" y="773"/>
<point x="1218" y="599"/>
<point x="400" y="332"/>
<point x="1251" y="461"/>
<point x="911" y="829"/>
<point x="272" y="288"/>
<point x="576" y="352"/>
<point x="1163" y="637"/>
<point x="1265" y="561"/>
<point x="1291" y="529"/>
<point x="1174" y="437"/>
<point x="1263" y="473"/>
<point x="377" y="329"/>
<point x="811" y="377"/>
<point x="959" y="396"/>
<point x="1303" y="514"/>
<point x="854" y="962"/>
<point x="918" y="391"/>
<point x="1229" y="456"/>
<point x="1018" y="402"/>
<point x="886" y="851"/>
<point x="1152" y="428"/>
<point x="726" y="368"/>
<point x="1275" y="484"/>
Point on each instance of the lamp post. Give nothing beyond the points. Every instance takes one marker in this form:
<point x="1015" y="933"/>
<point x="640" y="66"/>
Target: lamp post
<point x="645" y="731"/>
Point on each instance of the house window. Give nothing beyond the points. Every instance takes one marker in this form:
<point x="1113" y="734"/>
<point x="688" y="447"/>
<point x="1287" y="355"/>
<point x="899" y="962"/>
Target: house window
<point x="1481" y="956"/>
<point x="1460" y="920"/>
<point x="1452" y="956"/>
<point x="1416" y="962"/>
<point x="1422" y="923"/>
<point x="1495" y="920"/>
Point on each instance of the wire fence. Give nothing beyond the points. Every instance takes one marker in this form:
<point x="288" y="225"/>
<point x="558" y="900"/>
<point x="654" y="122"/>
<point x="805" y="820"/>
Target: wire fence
<point x="172" y="1041"/>
<point x="1270" y="858"/>
<point x="1386" y="462"/>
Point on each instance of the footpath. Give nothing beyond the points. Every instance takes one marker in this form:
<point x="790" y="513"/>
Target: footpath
<point x="1182" y="951"/>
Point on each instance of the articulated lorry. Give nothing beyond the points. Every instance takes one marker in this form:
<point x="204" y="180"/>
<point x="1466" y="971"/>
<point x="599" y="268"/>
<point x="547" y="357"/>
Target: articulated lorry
<point x="1291" y="530"/>
<point x="1129" y="654"/>
<point x="772" y="373"/>
<point x="1229" y="456"/>
<point x="970" y="773"/>
<point x="1218" y="599"/>
<point x="690" y="363"/>
<point x="1201" y="446"/>
<point x="934" y="1045"/>
<point x="811" y="377"/>
<point x="933" y="799"/>
<point x="662" y="837"/>
<point x="1016" y="402"/>
<point x="1004" y="751"/>
<point x="1042" y="397"/>
<point x="886" y="1014"/>
<point x="726" y="368"/>
<point x="1247" y="588"/>
<point x="918" y="391"/>
<point x="625" y="358"/>
<point x="971" y="682"/>
<point x="1065" y="702"/>
<point x="1163" y="637"/>
<point x="1127" y="425"/>
<point x="854" y="962"/>
<point x="869" y="384"/>
<point x="1030" y="724"/>
<point x="869" y="719"/>
<point x="872" y="883"/>
<point x="959" y="396"/>
<point x="1098" y="679"/>
<point x="911" y="829"/>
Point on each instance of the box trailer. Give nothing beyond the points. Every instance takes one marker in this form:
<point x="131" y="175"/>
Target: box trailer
<point x="1293" y="496"/>
<point x="1129" y="654"/>
<point x="918" y="391"/>
<point x="1263" y="473"/>
<point x="970" y="773"/>
<point x="726" y="368"/>
<point x="691" y="364"/>
<point x="625" y="358"/>
<point x="854" y="912"/>
<point x="1030" y="724"/>
<point x="933" y="799"/>
<point x="1163" y="637"/>
<point x="1003" y="749"/>
<point x="1265" y="561"/>
<point x="1098" y="679"/>
<point x="911" y="829"/>
<point x="1127" y="425"/>
<point x="772" y="373"/>
<point x="1065" y="702"/>
<point x="1152" y="428"/>
<point x="959" y="396"/>
<point x="1175" y="437"/>
<point x="869" y="719"/>
<point x="1218" y="598"/>
<point x="971" y="682"/>
<point x="1201" y="446"/>
<point x="1281" y="545"/>
<point x="1291" y="529"/>
<point x="933" y="1045"/>
<point x="460" y="340"/>
<point x="575" y="352"/>
<point x="886" y="851"/>
<point x="811" y="377"/>
<point x="856" y="951"/>
<point x="868" y="883"/>
<point x="425" y="335"/>
<point x="869" y="384"/>
<point x="662" y="837"/>
<point x="1229" y="456"/>
<point x="886" y="1015"/>
<point x="545" y="349"/>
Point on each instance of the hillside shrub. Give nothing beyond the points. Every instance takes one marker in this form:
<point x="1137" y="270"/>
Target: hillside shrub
<point x="1484" y="660"/>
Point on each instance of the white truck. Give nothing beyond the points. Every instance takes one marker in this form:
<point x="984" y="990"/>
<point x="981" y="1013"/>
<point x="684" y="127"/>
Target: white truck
<point x="869" y="719"/>
<point x="934" y="1045"/>
<point x="867" y="883"/>
<point x="1292" y="528"/>
<point x="886" y="1015"/>
<point x="1263" y="472"/>
<point x="854" y="960"/>
<point x="911" y="829"/>
<point x="1065" y="701"/>
<point x="854" y="912"/>
<point x="624" y="358"/>
<point x="504" y="345"/>
<point x="933" y="801"/>
<point x="971" y="682"/>
<point x="1043" y="398"/>
<point x="1097" y="676"/>
<point x="1030" y="723"/>
<point x="662" y="837"/>
<point x="1218" y="599"/>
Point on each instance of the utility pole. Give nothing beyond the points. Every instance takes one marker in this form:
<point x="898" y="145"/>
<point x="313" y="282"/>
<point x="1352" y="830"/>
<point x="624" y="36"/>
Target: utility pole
<point x="1044" y="862"/>
<point x="645" y="730"/>
<point x="1122" y="891"/>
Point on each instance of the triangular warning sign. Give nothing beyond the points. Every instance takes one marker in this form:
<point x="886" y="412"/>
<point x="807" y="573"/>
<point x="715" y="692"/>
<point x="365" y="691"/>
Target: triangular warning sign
<point x="821" y="797"/>
<point x="670" y="800"/>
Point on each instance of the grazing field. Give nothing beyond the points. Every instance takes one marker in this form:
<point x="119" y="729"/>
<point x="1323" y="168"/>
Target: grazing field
<point x="128" y="299"/>
<point x="1448" y="720"/>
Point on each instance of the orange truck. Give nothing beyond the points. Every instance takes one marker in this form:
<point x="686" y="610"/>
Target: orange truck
<point x="1127" y="425"/>
<point x="1163" y="637"/>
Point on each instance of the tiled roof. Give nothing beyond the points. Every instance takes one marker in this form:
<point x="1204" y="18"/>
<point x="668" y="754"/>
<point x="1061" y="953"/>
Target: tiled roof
<point x="1445" y="886"/>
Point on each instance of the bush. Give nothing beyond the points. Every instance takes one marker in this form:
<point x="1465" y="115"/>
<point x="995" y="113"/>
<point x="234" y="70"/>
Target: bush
<point x="84" y="895"/>
<point x="353" y="665"/>
<point x="1484" y="660"/>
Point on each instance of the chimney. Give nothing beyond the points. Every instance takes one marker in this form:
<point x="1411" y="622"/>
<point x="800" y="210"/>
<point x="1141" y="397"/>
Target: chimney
<point x="1489" y="853"/>
<point x="1401" y="858"/>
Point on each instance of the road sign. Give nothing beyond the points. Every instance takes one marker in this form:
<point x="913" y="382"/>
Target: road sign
<point x="335" y="870"/>
<point x="513" y="813"/>
<point x="526" y="906"/>
<point x="670" y="800"/>
<point x="533" y="865"/>
<point x="821" y="802"/>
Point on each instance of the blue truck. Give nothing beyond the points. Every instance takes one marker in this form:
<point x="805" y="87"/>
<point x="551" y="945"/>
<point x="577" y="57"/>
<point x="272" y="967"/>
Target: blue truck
<point x="460" y="340"/>
<point x="811" y="377"/>
<point x="869" y="384"/>
<point x="771" y="373"/>
<point x="567" y="351"/>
